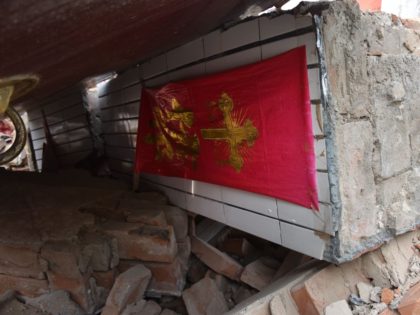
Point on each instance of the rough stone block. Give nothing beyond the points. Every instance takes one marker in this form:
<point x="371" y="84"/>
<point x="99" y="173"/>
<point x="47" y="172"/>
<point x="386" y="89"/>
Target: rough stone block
<point x="215" y="259"/>
<point x="204" y="298"/>
<point x="374" y="267"/>
<point x="357" y="185"/>
<point x="56" y="302"/>
<point x="23" y="286"/>
<point x="397" y="264"/>
<point x="128" y="288"/>
<point x="257" y="274"/>
<point x="21" y="261"/>
<point x="143" y="242"/>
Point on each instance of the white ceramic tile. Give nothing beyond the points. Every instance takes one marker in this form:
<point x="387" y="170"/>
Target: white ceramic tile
<point x="256" y="224"/>
<point x="157" y="82"/>
<point x="115" y="98"/>
<point x="206" y="190"/>
<point x="123" y="140"/>
<point x="309" y="40"/>
<point x="240" y="34"/>
<point x="323" y="187"/>
<point x="38" y="154"/>
<point x="153" y="67"/>
<point x="174" y="182"/>
<point x="316" y="220"/>
<point x="38" y="144"/>
<point x="121" y="153"/>
<point x="185" y="54"/>
<point x="270" y="27"/>
<point x="316" y="120"/>
<point x="131" y="93"/>
<point x="38" y="134"/>
<point x="128" y="77"/>
<point x="213" y="44"/>
<point x="208" y="208"/>
<point x="314" y="84"/>
<point x="36" y="123"/>
<point x="74" y="98"/>
<point x="321" y="154"/>
<point x="278" y="47"/>
<point x="235" y="60"/>
<point x="248" y="200"/>
<point x="176" y="197"/>
<point x="303" y="240"/>
<point x="187" y="73"/>
<point x="303" y="21"/>
<point x="121" y="112"/>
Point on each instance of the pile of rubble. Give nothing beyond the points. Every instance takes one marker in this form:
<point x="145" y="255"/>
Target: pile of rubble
<point x="86" y="249"/>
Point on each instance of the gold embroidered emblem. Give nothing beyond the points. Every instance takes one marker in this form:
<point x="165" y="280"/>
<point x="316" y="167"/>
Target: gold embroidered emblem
<point x="173" y="137"/>
<point x="236" y="132"/>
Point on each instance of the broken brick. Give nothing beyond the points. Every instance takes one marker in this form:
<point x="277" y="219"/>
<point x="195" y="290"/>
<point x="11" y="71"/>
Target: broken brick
<point x="387" y="295"/>
<point x="143" y="242"/>
<point x="105" y="279"/>
<point x="167" y="278"/>
<point x="146" y="216"/>
<point x="64" y="258"/>
<point x="314" y="294"/>
<point x="23" y="286"/>
<point x="215" y="259"/>
<point x="78" y="287"/>
<point x="410" y="303"/>
<point x="21" y="262"/>
<point x="204" y="298"/>
<point x="257" y="274"/>
<point x="128" y="288"/>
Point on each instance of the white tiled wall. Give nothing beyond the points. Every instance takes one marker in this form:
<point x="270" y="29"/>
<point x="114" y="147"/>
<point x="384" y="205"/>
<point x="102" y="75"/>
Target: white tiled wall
<point x="67" y="122"/>
<point x="278" y="221"/>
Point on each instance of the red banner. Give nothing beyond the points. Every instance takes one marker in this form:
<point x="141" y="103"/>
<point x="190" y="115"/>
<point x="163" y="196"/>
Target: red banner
<point x="249" y="128"/>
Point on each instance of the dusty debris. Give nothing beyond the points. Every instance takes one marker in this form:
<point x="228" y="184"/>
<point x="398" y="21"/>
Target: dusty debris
<point x="56" y="302"/>
<point x="204" y="298"/>
<point x="128" y="288"/>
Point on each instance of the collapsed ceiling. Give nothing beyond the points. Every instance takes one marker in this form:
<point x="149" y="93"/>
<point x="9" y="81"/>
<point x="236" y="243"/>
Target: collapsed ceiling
<point x="66" y="41"/>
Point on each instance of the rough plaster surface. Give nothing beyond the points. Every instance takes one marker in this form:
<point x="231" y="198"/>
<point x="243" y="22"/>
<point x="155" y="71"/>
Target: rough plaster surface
<point x="373" y="69"/>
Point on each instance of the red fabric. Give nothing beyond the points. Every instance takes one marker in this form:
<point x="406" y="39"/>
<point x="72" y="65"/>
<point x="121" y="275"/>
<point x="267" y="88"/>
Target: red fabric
<point x="271" y="96"/>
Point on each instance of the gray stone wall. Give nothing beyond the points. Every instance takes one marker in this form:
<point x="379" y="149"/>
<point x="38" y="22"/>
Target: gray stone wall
<point x="372" y="114"/>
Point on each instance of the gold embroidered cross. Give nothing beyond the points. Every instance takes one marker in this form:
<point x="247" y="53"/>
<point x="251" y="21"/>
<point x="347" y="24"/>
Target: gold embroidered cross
<point x="233" y="132"/>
